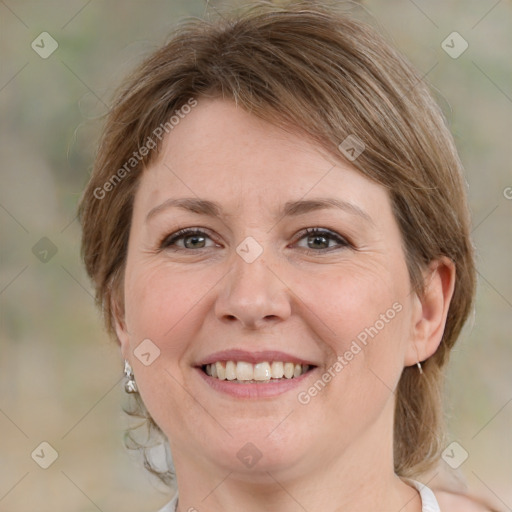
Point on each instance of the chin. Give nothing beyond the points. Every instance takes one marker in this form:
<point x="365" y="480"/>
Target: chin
<point x="253" y="453"/>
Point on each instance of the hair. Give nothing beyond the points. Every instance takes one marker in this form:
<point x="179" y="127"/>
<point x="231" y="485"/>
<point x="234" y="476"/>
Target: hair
<point x="317" y="70"/>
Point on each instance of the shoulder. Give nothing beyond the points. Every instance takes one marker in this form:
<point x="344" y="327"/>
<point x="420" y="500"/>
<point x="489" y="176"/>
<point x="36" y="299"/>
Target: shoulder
<point x="453" y="502"/>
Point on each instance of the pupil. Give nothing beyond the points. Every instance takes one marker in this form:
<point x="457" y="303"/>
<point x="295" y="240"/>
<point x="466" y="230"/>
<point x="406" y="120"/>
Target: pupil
<point x="193" y="240"/>
<point x="317" y="238"/>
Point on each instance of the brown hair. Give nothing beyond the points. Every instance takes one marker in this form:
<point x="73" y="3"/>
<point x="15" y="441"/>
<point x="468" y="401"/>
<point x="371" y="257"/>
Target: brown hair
<point x="320" y="71"/>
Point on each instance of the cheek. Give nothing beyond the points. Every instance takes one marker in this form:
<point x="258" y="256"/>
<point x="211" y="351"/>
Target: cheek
<point x="366" y="311"/>
<point x="159" y="297"/>
<point x="367" y="317"/>
<point x="354" y="299"/>
<point x="165" y="304"/>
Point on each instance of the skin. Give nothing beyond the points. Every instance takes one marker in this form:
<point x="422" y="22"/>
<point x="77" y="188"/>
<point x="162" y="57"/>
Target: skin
<point x="335" y="453"/>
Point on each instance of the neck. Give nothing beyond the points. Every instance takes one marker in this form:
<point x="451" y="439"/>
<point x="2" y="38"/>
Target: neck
<point x="359" y="477"/>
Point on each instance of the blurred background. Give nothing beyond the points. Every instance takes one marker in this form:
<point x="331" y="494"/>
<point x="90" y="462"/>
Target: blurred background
<point x="61" y="376"/>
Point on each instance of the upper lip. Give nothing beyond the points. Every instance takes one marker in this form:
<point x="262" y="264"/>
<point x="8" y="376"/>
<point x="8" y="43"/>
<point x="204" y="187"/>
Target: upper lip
<point x="253" y="357"/>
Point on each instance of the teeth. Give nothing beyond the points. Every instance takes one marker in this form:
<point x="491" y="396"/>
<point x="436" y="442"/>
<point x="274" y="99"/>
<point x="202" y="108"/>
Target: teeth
<point x="289" y="369"/>
<point x="230" y="370"/>
<point x="277" y="370"/>
<point x="262" y="371"/>
<point x="242" y="371"/>
<point x="221" y="370"/>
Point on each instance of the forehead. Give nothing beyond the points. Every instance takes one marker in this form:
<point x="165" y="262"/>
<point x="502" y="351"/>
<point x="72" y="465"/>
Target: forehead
<point x="220" y="151"/>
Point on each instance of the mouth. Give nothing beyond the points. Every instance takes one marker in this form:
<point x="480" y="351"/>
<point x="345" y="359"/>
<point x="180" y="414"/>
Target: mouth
<point x="243" y="372"/>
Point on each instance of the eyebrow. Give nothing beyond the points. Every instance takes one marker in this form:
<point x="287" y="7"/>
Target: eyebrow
<point x="290" y="208"/>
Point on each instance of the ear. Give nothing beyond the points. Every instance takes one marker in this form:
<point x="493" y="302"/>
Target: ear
<point x="430" y="311"/>
<point x="118" y="317"/>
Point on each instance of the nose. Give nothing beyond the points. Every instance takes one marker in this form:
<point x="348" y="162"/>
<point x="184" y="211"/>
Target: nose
<point x="253" y="295"/>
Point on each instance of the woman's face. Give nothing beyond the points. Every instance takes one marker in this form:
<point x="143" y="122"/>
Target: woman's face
<point x="253" y="290"/>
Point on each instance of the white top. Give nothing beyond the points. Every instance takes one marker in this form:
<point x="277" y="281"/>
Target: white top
<point x="428" y="500"/>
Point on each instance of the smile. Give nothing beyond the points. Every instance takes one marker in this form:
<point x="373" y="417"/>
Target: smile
<point x="254" y="374"/>
<point x="243" y="372"/>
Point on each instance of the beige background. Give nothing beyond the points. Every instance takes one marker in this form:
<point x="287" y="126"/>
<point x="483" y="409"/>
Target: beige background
<point x="60" y="374"/>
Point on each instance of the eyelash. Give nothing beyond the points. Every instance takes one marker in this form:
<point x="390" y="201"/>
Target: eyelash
<point x="169" y="240"/>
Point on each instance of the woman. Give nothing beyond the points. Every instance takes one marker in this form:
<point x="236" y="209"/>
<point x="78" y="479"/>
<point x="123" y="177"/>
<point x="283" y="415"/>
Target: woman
<point x="278" y="234"/>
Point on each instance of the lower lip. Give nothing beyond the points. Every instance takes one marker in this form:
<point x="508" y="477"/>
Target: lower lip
<point x="263" y="390"/>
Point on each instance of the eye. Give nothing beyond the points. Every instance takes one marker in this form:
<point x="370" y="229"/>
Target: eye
<point x="192" y="238"/>
<point x="318" y="239"/>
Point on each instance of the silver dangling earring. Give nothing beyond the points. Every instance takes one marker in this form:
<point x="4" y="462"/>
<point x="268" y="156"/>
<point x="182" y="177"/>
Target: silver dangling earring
<point x="130" y="386"/>
<point x="418" y="364"/>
